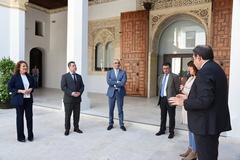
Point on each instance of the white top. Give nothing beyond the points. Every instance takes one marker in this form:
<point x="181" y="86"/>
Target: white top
<point x="26" y="85"/>
<point x="186" y="90"/>
<point x="188" y="85"/>
<point x="165" y="87"/>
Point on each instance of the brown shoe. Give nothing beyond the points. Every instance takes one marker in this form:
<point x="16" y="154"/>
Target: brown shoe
<point x="185" y="154"/>
<point x="191" y="156"/>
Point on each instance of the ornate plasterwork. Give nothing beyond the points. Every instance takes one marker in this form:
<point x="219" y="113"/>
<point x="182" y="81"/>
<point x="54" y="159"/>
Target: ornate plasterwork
<point x="201" y="13"/>
<point x="93" y="2"/>
<point x="102" y="31"/>
<point x="163" y="4"/>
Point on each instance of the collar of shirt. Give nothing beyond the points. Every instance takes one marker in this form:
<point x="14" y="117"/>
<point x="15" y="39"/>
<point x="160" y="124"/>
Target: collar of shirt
<point x="204" y="63"/>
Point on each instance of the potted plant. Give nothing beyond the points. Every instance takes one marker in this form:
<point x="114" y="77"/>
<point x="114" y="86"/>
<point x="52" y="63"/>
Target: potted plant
<point x="6" y="71"/>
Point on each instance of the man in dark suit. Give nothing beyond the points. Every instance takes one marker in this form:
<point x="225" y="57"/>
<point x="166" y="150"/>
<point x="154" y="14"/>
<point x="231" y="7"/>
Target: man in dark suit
<point x="73" y="87"/>
<point x="169" y="85"/>
<point x="207" y="104"/>
<point x="116" y="79"/>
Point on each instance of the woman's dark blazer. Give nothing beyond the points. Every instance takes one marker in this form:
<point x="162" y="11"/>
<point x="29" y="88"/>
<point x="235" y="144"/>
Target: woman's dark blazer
<point x="16" y="83"/>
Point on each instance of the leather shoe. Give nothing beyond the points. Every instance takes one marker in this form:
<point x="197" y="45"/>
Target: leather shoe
<point x="66" y="133"/>
<point x="21" y="140"/>
<point x="77" y="130"/>
<point x="30" y="139"/>
<point x="160" y="133"/>
<point x="171" y="135"/>
<point x="109" y="127"/>
<point x="123" y="128"/>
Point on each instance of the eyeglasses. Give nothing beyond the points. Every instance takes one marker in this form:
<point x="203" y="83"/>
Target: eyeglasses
<point x="116" y="62"/>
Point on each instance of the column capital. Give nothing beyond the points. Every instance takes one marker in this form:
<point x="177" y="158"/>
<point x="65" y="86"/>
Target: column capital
<point x="19" y="4"/>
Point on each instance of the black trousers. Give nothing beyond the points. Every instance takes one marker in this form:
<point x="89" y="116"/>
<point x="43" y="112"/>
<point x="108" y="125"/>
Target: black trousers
<point x="69" y="109"/>
<point x="171" y="110"/>
<point x="207" y="146"/>
<point x="20" y="110"/>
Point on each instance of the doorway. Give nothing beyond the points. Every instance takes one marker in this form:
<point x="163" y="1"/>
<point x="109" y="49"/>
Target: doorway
<point x="36" y="60"/>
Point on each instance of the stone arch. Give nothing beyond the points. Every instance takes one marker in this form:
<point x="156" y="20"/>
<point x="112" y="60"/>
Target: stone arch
<point x="170" y="19"/>
<point x="159" y="25"/>
<point x="101" y="36"/>
<point x="36" y="57"/>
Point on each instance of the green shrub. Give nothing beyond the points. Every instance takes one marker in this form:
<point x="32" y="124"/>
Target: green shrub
<point x="6" y="71"/>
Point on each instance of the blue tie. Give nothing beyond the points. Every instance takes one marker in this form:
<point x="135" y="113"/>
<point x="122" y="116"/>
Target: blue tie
<point x="163" y="85"/>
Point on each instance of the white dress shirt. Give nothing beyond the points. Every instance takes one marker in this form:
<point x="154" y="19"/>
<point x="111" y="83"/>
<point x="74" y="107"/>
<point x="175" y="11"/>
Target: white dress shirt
<point x="25" y="84"/>
<point x="116" y="71"/>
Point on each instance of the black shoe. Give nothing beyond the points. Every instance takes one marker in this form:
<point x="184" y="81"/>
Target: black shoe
<point x="160" y="133"/>
<point x="123" y="128"/>
<point x="110" y="127"/>
<point x="66" y="133"/>
<point x="171" y="135"/>
<point x="30" y="139"/>
<point x="22" y="140"/>
<point x="77" y="130"/>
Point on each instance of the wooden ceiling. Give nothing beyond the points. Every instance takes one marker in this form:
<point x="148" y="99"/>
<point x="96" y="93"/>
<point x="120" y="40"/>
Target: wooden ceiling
<point x="50" y="4"/>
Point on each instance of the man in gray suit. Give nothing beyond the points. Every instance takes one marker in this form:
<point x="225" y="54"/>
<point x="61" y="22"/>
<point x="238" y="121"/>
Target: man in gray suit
<point x="73" y="87"/>
<point x="116" y="79"/>
<point x="169" y="85"/>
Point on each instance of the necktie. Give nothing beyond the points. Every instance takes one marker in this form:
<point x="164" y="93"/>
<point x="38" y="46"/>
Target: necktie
<point x="74" y="78"/>
<point x="163" y="85"/>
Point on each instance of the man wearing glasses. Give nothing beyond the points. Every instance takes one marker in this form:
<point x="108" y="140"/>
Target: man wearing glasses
<point x="116" y="79"/>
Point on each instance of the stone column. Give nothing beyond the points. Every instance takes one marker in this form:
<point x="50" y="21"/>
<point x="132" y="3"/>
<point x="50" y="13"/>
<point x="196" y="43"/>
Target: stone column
<point x="234" y="78"/>
<point x="13" y="29"/>
<point x="77" y="41"/>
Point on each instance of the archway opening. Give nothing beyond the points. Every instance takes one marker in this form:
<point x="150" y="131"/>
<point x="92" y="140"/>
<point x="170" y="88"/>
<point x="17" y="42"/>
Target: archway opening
<point x="173" y="42"/>
<point x="36" y="66"/>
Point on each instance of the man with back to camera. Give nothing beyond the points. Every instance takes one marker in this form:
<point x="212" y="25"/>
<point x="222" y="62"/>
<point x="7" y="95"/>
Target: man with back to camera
<point x="73" y="87"/>
<point x="207" y="103"/>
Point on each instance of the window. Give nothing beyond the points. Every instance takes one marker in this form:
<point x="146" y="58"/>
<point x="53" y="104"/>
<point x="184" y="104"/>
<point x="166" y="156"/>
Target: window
<point x="190" y="39"/>
<point x="38" y="28"/>
<point x="109" y="56"/>
<point x="99" y="57"/>
<point x="104" y="56"/>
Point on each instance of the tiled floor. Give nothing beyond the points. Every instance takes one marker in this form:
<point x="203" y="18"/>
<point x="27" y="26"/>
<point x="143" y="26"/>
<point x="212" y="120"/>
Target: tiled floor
<point x="136" y="109"/>
<point x="96" y="143"/>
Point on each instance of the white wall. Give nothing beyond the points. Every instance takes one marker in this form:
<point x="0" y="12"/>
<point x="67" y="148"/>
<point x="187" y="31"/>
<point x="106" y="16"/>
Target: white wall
<point x="56" y="61"/>
<point x="111" y="9"/>
<point x="53" y="44"/>
<point x="234" y="87"/>
<point x="42" y="43"/>
<point x="12" y="33"/>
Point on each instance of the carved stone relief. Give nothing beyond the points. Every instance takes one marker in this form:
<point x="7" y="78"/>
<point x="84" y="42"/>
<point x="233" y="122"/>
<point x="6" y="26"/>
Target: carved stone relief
<point x="162" y="4"/>
<point x="102" y="31"/>
<point x="93" y="2"/>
